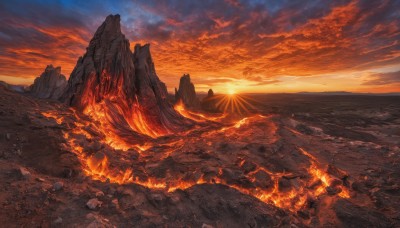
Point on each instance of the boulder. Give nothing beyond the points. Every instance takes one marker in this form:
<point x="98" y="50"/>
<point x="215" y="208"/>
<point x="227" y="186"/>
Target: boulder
<point x="58" y="186"/>
<point x="94" y="203"/>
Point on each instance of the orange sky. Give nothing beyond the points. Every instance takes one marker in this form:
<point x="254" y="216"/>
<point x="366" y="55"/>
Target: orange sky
<point x="229" y="45"/>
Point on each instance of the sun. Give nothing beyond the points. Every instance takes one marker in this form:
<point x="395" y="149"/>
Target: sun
<point x="231" y="91"/>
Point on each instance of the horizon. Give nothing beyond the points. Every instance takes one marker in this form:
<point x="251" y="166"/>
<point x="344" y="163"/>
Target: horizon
<point x="251" y="47"/>
<point x="394" y="93"/>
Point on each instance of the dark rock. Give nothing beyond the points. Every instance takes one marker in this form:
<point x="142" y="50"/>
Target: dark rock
<point x="304" y="214"/>
<point x="50" y="84"/>
<point x="210" y="93"/>
<point x="248" y="166"/>
<point x="187" y="93"/>
<point x="351" y="215"/>
<point x="359" y="186"/>
<point x="58" y="186"/>
<point x="304" y="129"/>
<point x="93" y="204"/>
<point x="262" y="149"/>
<point x="236" y="177"/>
<point x="263" y="180"/>
<point x="336" y="182"/>
<point x="157" y="200"/>
<point x="332" y="170"/>
<point x="333" y="190"/>
<point x="284" y="184"/>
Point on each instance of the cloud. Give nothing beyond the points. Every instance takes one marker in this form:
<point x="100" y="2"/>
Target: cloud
<point x="253" y="40"/>
<point x="383" y="78"/>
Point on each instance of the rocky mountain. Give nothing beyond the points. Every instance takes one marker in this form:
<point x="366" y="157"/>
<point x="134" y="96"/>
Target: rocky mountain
<point x="16" y="88"/>
<point x="50" y="84"/>
<point x="111" y="82"/>
<point x="187" y="93"/>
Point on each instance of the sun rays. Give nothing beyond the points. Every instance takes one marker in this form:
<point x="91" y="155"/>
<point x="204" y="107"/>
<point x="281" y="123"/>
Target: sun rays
<point x="234" y="103"/>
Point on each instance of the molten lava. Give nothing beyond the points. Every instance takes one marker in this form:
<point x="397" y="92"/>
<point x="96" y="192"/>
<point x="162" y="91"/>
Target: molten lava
<point x="196" y="116"/>
<point x="99" y="167"/>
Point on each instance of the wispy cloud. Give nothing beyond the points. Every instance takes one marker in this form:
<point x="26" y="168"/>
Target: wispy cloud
<point x="383" y="78"/>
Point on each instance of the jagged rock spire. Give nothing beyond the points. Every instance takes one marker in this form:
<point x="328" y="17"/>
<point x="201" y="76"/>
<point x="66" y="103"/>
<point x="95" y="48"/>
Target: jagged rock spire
<point x="187" y="93"/>
<point x="110" y="78"/>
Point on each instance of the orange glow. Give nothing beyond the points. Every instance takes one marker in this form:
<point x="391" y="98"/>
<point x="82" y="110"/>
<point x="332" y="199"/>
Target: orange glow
<point x="234" y="103"/>
<point x="325" y="52"/>
<point x="324" y="177"/>
<point x="54" y="116"/>
<point x="231" y="91"/>
<point x="97" y="166"/>
<point x="196" y="116"/>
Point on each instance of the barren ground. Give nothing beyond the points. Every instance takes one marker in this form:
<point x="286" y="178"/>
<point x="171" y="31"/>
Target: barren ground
<point x="299" y="161"/>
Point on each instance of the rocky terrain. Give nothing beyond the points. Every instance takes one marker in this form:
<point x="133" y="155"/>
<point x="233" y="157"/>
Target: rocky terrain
<point x="50" y="84"/>
<point x="283" y="169"/>
<point x="116" y="153"/>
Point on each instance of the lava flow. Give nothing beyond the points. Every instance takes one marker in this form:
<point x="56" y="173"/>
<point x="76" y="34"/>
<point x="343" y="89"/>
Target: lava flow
<point x="287" y="190"/>
<point x="197" y="116"/>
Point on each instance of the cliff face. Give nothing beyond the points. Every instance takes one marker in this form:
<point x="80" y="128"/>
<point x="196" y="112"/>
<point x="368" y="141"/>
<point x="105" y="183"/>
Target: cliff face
<point x="186" y="93"/>
<point x="120" y="88"/>
<point x="50" y="84"/>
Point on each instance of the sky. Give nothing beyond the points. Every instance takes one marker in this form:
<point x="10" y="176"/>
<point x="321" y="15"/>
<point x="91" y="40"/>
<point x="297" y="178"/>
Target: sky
<point x="260" y="46"/>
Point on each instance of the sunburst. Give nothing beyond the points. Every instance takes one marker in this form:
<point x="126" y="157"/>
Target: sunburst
<point x="233" y="103"/>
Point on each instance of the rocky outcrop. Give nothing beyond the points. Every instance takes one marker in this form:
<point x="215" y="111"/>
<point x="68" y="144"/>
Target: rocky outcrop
<point x="15" y="88"/>
<point x="187" y="93"/>
<point x="210" y="93"/>
<point x="209" y="103"/>
<point x="110" y="83"/>
<point x="50" y="84"/>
